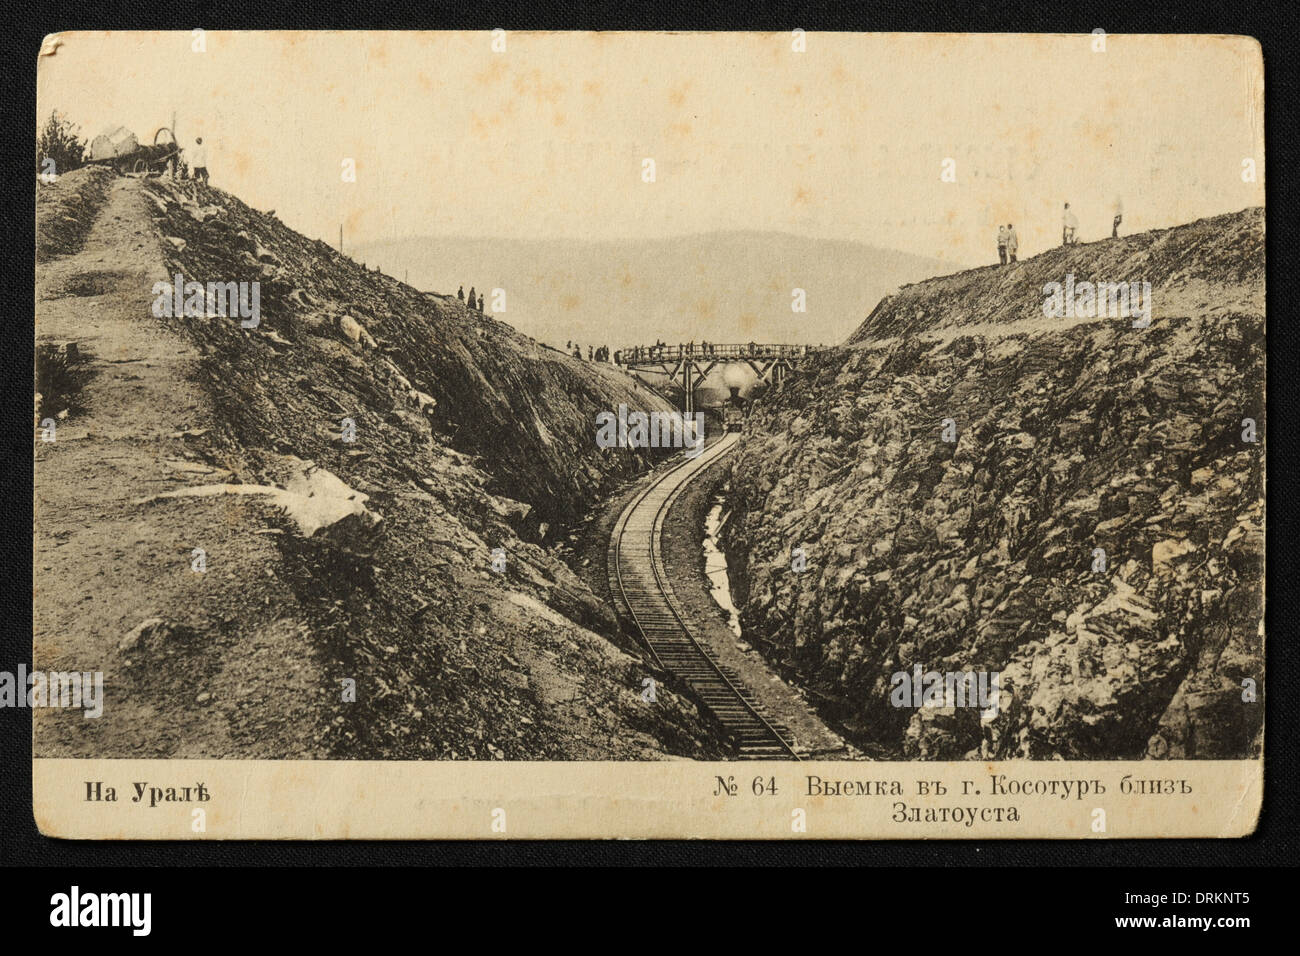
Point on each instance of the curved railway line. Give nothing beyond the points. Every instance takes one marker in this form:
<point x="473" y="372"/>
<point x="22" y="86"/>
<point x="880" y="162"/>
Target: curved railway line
<point x="638" y="579"/>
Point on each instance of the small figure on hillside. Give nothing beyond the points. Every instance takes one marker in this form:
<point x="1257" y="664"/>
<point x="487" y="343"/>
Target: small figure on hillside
<point x="473" y="302"/>
<point x="199" y="161"/>
<point x="482" y="301"/>
<point x="1069" y="227"/>
<point x="1002" y="245"/>
<point x="460" y="293"/>
<point x="1119" y="217"/>
<point x="1013" y="243"/>
<point x="577" y="351"/>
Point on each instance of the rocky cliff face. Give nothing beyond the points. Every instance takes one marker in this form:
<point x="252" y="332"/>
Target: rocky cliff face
<point x="469" y="381"/>
<point x="1092" y="531"/>
<point x="373" y="476"/>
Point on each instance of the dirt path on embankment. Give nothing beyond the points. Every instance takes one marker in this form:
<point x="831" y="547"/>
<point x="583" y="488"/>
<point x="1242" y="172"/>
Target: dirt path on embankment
<point x="252" y="584"/>
<point x="134" y="427"/>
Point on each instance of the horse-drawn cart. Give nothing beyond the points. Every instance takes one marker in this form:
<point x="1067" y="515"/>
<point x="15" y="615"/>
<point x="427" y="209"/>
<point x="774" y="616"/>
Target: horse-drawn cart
<point x="120" y="149"/>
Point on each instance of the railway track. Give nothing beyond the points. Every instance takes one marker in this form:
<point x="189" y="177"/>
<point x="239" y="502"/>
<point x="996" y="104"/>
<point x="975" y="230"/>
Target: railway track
<point x="638" y="578"/>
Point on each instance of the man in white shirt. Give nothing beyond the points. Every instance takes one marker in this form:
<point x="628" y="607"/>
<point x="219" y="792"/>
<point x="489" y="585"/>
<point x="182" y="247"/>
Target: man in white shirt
<point x="1069" y="227"/>
<point x="199" y="161"/>
<point x="1002" y="244"/>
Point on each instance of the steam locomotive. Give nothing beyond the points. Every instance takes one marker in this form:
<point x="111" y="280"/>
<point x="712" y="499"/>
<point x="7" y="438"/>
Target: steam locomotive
<point x="733" y="412"/>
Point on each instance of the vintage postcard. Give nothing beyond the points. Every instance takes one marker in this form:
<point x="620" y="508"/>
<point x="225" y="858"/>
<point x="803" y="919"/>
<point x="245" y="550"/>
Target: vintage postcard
<point x="647" y="435"/>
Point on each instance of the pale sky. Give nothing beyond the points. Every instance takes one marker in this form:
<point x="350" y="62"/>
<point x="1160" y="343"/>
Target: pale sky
<point x="547" y="139"/>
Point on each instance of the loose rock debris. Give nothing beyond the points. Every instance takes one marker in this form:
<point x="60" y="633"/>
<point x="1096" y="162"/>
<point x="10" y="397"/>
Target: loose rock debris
<point x="1093" y="533"/>
<point x="461" y="437"/>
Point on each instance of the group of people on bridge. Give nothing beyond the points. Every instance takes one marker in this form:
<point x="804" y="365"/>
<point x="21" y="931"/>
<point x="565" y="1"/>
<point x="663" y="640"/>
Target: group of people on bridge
<point x="660" y="352"/>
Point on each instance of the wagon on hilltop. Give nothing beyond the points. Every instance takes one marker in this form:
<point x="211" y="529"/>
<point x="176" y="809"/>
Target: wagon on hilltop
<point x="120" y="149"/>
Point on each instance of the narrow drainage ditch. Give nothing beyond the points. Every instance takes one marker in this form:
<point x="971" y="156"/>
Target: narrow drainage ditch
<point x="715" y="566"/>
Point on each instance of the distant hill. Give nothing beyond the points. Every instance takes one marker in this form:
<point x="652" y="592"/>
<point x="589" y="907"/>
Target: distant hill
<point x="719" y="286"/>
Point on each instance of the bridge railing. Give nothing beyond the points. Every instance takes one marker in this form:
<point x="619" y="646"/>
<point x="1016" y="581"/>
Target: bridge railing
<point x="651" y="354"/>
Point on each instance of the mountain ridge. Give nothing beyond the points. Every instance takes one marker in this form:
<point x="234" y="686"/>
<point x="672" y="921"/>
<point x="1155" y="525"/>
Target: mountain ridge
<point x="720" y="286"/>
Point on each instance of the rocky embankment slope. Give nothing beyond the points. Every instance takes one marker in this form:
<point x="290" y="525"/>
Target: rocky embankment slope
<point x="1075" y="440"/>
<point x="246" y="527"/>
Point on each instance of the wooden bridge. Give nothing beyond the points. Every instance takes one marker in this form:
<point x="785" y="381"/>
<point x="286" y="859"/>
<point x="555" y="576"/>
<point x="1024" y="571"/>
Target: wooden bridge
<point x="688" y="365"/>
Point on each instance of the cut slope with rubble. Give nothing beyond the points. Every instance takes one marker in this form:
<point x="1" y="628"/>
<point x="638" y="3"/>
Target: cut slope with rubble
<point x="282" y="540"/>
<point x="1094" y="533"/>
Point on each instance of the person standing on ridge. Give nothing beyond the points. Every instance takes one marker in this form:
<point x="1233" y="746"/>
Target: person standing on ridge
<point x="473" y="302"/>
<point x="199" y="161"/>
<point x="1069" y="227"/>
<point x="1013" y="243"/>
<point x="1119" y="217"/>
<point x="460" y="293"/>
<point x="1002" y="245"/>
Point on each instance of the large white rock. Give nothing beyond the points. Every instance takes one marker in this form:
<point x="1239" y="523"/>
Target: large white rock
<point x="313" y="498"/>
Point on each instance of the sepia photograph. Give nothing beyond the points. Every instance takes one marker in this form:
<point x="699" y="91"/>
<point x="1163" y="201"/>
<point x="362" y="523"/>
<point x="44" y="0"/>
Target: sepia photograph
<point x="868" y="408"/>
